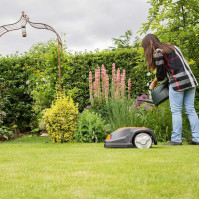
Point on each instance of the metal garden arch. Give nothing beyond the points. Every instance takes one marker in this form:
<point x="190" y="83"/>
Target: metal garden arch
<point x="21" y="24"/>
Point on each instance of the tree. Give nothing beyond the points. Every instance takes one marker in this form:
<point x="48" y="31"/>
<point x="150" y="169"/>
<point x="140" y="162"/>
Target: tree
<point x="124" y="41"/>
<point x="176" y="22"/>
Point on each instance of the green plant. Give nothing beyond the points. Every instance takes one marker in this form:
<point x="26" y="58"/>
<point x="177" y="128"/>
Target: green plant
<point x="122" y="113"/>
<point x="124" y="41"/>
<point x="6" y="133"/>
<point x="61" y="119"/>
<point x="15" y="98"/>
<point x="159" y="119"/>
<point x="91" y="127"/>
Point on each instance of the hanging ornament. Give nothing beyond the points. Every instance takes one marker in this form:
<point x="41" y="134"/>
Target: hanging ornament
<point x="23" y="29"/>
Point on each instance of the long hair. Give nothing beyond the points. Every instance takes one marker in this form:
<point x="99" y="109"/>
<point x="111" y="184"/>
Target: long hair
<point x="150" y="43"/>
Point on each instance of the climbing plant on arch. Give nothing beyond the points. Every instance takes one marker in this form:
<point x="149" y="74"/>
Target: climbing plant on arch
<point x="21" y="24"/>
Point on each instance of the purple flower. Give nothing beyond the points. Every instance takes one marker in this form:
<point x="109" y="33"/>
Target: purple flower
<point x="88" y="107"/>
<point x="138" y="103"/>
<point x="147" y="107"/>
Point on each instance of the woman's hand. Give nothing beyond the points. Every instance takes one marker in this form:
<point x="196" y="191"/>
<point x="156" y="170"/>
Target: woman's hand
<point x="154" y="83"/>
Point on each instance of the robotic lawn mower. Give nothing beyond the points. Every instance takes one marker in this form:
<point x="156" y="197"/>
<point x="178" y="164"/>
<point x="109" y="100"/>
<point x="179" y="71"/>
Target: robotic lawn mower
<point x="129" y="137"/>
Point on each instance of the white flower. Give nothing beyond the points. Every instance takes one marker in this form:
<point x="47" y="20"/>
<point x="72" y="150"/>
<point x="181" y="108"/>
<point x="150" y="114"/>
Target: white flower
<point x="149" y="93"/>
<point x="147" y="84"/>
<point x="148" y="74"/>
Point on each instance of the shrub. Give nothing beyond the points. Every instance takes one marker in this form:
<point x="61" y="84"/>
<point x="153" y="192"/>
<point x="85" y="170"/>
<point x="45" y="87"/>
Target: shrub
<point x="61" y="119"/>
<point x="159" y="119"/>
<point x="91" y="128"/>
<point x="15" y="98"/>
<point x="6" y="133"/>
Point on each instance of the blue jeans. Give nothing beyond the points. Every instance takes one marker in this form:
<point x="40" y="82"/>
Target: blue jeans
<point x="177" y="99"/>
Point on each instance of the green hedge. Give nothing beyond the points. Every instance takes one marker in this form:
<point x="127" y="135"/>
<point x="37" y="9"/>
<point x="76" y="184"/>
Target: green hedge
<point x="15" y="99"/>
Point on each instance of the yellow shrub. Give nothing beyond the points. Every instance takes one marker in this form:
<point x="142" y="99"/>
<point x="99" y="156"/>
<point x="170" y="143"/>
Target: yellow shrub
<point x="61" y="119"/>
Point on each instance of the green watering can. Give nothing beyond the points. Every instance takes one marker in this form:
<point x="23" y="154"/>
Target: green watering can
<point x="159" y="94"/>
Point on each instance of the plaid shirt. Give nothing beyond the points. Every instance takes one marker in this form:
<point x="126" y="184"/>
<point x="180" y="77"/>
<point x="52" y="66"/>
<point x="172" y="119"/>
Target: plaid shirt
<point x="174" y="66"/>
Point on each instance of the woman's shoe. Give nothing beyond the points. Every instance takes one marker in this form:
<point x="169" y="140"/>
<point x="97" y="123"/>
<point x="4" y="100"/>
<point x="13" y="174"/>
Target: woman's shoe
<point x="193" y="143"/>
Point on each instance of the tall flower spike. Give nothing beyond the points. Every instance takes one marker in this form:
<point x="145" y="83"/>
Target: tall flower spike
<point x="103" y="73"/>
<point x="118" y="79"/>
<point x="95" y="85"/>
<point x="113" y="73"/>
<point x="129" y="88"/>
<point x="91" y="88"/>
<point x="106" y="88"/>
<point x="98" y="85"/>
<point x="123" y="78"/>
<point x="113" y="81"/>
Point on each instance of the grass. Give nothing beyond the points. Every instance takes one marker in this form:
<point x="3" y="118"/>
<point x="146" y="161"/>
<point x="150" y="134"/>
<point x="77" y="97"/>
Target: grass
<point x="34" y="167"/>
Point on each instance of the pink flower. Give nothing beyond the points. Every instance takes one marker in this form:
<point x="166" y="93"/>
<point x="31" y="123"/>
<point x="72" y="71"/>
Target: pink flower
<point x="123" y="78"/>
<point x="113" y="81"/>
<point x="106" y="87"/>
<point x="91" y="88"/>
<point x="118" y="79"/>
<point x="138" y="103"/>
<point x="129" y="88"/>
<point x="113" y="73"/>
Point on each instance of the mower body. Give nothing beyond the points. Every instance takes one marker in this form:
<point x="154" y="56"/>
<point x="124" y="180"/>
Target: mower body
<point x="125" y="137"/>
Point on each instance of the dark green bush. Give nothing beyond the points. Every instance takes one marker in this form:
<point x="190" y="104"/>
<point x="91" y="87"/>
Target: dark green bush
<point x="6" y="133"/>
<point x="15" y="97"/>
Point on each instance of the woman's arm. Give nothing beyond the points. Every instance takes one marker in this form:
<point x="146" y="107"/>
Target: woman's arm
<point x="154" y="83"/>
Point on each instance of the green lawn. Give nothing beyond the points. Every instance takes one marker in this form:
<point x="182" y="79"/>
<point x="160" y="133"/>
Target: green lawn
<point x="33" y="167"/>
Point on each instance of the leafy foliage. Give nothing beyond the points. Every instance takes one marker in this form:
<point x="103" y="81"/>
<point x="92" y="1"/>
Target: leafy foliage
<point x="159" y="119"/>
<point x="91" y="128"/>
<point x="15" y="98"/>
<point x="124" y="41"/>
<point x="61" y="119"/>
<point x="6" y="133"/>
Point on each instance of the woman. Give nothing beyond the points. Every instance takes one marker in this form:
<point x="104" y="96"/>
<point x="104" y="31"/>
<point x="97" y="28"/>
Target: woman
<point x="169" y="62"/>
